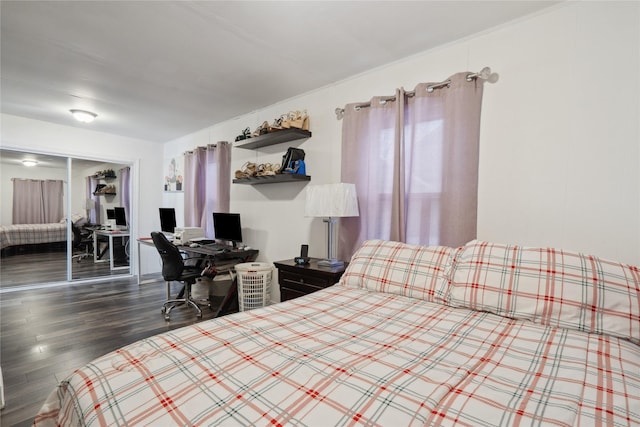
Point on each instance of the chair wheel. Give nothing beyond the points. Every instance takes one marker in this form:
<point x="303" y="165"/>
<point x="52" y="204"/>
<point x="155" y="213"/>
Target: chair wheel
<point x="166" y="318"/>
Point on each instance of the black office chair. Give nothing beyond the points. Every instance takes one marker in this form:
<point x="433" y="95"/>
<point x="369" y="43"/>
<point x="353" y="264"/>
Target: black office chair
<point x="174" y="269"/>
<point x="82" y="242"/>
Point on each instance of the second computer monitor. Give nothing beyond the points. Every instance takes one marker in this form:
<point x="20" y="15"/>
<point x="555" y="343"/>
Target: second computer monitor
<point x="168" y="220"/>
<point x="121" y="216"/>
<point x="226" y="226"/>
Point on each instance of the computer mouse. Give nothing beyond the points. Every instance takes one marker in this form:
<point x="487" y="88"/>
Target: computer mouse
<point x="194" y="245"/>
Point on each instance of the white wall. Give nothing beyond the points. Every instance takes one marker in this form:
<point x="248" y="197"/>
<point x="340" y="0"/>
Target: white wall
<point x="559" y="156"/>
<point x="42" y="137"/>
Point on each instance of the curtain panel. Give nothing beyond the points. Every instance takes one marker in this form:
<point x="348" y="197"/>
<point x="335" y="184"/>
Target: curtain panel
<point x="207" y="184"/>
<point x="414" y="160"/>
<point x="37" y="201"/>
<point x="125" y="190"/>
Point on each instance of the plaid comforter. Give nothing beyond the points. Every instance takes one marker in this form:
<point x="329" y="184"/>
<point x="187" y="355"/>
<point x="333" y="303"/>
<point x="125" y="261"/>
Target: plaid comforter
<point x="28" y="234"/>
<point x="353" y="357"/>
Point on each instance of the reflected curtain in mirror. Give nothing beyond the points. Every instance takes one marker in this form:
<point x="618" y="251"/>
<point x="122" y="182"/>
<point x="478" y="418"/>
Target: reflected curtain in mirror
<point x="37" y="201"/>
<point x="125" y="179"/>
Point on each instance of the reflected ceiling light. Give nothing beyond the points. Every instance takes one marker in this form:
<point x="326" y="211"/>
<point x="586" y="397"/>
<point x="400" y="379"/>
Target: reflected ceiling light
<point x="29" y="162"/>
<point x="83" y="115"/>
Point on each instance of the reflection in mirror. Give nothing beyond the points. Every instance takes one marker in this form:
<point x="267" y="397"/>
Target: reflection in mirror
<point x="35" y="204"/>
<point x="101" y="242"/>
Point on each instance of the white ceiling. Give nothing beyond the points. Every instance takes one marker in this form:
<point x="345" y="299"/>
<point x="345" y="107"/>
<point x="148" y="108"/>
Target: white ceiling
<point x="158" y="70"/>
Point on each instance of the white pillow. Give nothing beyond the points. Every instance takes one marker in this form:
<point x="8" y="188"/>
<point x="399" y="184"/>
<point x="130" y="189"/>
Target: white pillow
<point x="400" y="268"/>
<point x="548" y="286"/>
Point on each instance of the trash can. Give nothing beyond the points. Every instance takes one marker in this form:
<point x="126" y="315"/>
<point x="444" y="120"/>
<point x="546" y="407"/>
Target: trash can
<point x="254" y="284"/>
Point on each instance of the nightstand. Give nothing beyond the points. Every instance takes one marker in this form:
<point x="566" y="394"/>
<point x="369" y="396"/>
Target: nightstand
<point x="298" y="280"/>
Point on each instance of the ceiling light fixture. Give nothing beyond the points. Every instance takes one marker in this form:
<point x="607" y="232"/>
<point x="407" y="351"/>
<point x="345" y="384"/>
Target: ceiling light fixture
<point x="83" y="115"/>
<point x="29" y="163"/>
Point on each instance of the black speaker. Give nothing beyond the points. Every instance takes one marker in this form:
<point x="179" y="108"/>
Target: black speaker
<point x="303" y="259"/>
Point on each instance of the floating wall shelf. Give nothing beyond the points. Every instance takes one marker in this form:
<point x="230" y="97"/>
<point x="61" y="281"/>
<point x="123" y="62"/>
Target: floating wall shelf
<point x="272" y="138"/>
<point x="272" y="179"/>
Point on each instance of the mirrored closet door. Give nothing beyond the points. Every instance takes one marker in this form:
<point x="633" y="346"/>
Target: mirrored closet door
<point x="58" y="219"/>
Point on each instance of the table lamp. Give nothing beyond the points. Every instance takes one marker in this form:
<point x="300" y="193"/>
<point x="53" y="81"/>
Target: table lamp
<point x="331" y="201"/>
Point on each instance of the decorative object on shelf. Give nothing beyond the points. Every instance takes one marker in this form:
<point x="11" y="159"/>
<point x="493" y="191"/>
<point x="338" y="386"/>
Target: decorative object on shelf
<point x="296" y="167"/>
<point x="290" y="157"/>
<point x="174" y="179"/>
<point x="331" y="201"/>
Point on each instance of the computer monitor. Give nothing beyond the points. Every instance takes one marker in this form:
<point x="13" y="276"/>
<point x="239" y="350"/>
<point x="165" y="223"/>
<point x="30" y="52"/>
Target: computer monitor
<point x="226" y="226"/>
<point x="168" y="220"/>
<point x="111" y="214"/>
<point x="121" y="216"/>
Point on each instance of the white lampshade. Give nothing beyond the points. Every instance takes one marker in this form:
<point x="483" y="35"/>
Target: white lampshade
<point x="332" y="200"/>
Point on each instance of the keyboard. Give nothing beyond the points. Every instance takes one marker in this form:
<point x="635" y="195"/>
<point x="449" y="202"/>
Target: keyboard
<point x="216" y="246"/>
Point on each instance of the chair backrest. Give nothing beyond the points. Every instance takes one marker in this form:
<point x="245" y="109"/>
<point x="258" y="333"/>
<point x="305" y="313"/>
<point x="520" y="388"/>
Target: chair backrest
<point x="172" y="262"/>
<point x="77" y="236"/>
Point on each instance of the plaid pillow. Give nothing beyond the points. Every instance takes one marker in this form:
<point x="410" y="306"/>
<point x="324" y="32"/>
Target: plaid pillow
<point x="548" y="286"/>
<point x="400" y="268"/>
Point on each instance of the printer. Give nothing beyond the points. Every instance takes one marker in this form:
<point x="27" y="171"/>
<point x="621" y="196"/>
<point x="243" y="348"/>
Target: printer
<point x="182" y="235"/>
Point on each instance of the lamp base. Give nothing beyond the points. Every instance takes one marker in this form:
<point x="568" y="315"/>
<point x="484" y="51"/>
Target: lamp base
<point x="333" y="263"/>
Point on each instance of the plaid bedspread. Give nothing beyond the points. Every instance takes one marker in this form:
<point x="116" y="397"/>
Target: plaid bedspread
<point x="352" y="357"/>
<point x="27" y="234"/>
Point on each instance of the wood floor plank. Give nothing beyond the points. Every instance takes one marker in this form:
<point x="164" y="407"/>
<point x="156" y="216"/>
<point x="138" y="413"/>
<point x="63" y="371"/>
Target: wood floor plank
<point x="46" y="333"/>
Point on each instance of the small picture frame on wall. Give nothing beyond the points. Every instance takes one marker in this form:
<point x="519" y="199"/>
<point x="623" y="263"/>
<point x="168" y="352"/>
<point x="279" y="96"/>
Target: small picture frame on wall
<point x="174" y="176"/>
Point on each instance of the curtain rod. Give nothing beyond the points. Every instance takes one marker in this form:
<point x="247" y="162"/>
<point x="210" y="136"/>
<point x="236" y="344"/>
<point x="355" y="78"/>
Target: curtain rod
<point x="484" y="74"/>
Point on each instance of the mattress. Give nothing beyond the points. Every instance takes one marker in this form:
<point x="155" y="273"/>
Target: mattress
<point x="345" y="356"/>
<point x="30" y="234"/>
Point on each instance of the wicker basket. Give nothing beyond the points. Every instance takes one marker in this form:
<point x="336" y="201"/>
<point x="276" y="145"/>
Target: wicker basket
<point x="254" y="284"/>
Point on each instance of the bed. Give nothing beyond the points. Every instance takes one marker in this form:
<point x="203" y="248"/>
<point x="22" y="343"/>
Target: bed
<point x="32" y="234"/>
<point x="37" y="234"/>
<point x="482" y="335"/>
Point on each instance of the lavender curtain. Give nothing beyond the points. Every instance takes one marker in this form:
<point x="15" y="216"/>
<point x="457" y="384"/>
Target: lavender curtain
<point x="414" y="161"/>
<point x="125" y="189"/>
<point x="37" y="201"/>
<point x="207" y="184"/>
<point x="91" y="184"/>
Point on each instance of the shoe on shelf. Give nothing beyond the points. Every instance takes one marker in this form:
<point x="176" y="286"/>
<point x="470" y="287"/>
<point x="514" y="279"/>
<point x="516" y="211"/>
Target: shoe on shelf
<point x="246" y="171"/>
<point x="276" y="125"/>
<point x="244" y="135"/>
<point x="261" y="130"/>
<point x="300" y="120"/>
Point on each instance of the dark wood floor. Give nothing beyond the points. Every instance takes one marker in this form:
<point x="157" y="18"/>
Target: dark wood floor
<point x="47" y="333"/>
<point x="26" y="266"/>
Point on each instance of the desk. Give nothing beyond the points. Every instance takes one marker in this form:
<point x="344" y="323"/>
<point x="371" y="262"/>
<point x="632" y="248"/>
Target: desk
<point x="229" y="258"/>
<point x="110" y="234"/>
